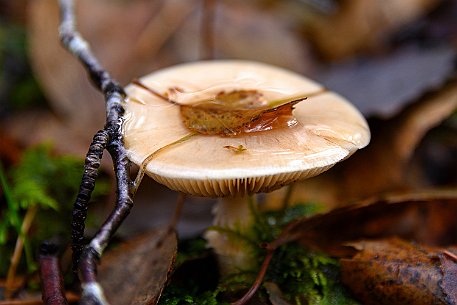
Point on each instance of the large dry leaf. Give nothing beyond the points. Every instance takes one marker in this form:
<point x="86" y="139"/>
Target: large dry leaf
<point x="136" y="272"/>
<point x="395" y="272"/>
<point x="383" y="85"/>
<point x="427" y="217"/>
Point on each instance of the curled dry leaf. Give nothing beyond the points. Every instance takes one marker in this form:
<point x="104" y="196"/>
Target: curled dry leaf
<point x="426" y="217"/>
<point x="229" y="113"/>
<point x="221" y="117"/>
<point x="395" y="272"/>
<point x="136" y="272"/>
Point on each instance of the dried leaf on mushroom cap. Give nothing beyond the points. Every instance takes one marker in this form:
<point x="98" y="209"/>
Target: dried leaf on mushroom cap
<point x="328" y="129"/>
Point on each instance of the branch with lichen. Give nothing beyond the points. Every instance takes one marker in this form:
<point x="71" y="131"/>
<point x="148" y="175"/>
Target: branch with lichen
<point x="109" y="138"/>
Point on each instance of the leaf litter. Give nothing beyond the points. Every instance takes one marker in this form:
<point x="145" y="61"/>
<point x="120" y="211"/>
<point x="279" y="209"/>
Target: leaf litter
<point x="136" y="271"/>
<point x="393" y="271"/>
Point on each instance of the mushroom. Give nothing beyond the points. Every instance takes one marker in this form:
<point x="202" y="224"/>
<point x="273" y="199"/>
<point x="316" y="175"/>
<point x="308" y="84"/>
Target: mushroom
<point x="181" y="125"/>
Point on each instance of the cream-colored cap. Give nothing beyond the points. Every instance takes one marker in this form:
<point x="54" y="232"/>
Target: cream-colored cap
<point x="329" y="129"/>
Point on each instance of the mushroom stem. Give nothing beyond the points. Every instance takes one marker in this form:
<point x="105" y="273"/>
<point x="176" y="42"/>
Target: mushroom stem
<point x="232" y="214"/>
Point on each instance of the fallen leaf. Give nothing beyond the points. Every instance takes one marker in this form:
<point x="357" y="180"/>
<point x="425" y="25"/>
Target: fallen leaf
<point x="382" y="85"/>
<point x="136" y="271"/>
<point x="394" y="272"/>
<point x="426" y="217"/>
<point x="218" y="117"/>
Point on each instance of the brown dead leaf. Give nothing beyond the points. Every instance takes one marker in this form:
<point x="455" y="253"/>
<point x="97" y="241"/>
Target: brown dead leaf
<point x="136" y="272"/>
<point x="219" y="117"/>
<point x="383" y="165"/>
<point x="426" y="217"/>
<point x="395" y="272"/>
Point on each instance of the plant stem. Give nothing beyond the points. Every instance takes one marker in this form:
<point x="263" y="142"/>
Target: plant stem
<point x="15" y="259"/>
<point x="259" y="279"/>
<point x="51" y="277"/>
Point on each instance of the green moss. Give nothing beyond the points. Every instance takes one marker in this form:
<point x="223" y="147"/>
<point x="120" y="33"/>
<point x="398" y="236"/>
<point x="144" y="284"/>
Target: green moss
<point x="303" y="277"/>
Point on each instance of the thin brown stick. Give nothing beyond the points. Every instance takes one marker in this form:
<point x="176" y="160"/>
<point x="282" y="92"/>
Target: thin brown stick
<point x="450" y="255"/>
<point x="50" y="275"/>
<point x="17" y="254"/>
<point x="144" y="164"/>
<point x="258" y="281"/>
<point x="138" y="83"/>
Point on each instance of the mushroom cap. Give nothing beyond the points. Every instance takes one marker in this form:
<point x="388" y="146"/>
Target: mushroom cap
<point x="329" y="129"/>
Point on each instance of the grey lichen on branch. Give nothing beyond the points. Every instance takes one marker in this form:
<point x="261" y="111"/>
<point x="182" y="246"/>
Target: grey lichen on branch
<point x="110" y="138"/>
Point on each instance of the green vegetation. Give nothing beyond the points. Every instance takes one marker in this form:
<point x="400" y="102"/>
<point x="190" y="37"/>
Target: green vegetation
<point x="39" y="193"/>
<point x="295" y="275"/>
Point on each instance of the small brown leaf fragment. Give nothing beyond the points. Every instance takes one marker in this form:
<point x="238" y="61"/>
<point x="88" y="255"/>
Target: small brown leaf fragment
<point x="393" y="272"/>
<point x="236" y="149"/>
<point x="136" y="272"/>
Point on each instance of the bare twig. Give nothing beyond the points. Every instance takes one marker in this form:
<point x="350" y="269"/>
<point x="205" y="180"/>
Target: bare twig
<point x="91" y="166"/>
<point x="258" y="281"/>
<point x="111" y="138"/>
<point x="26" y="223"/>
<point x="51" y="277"/>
